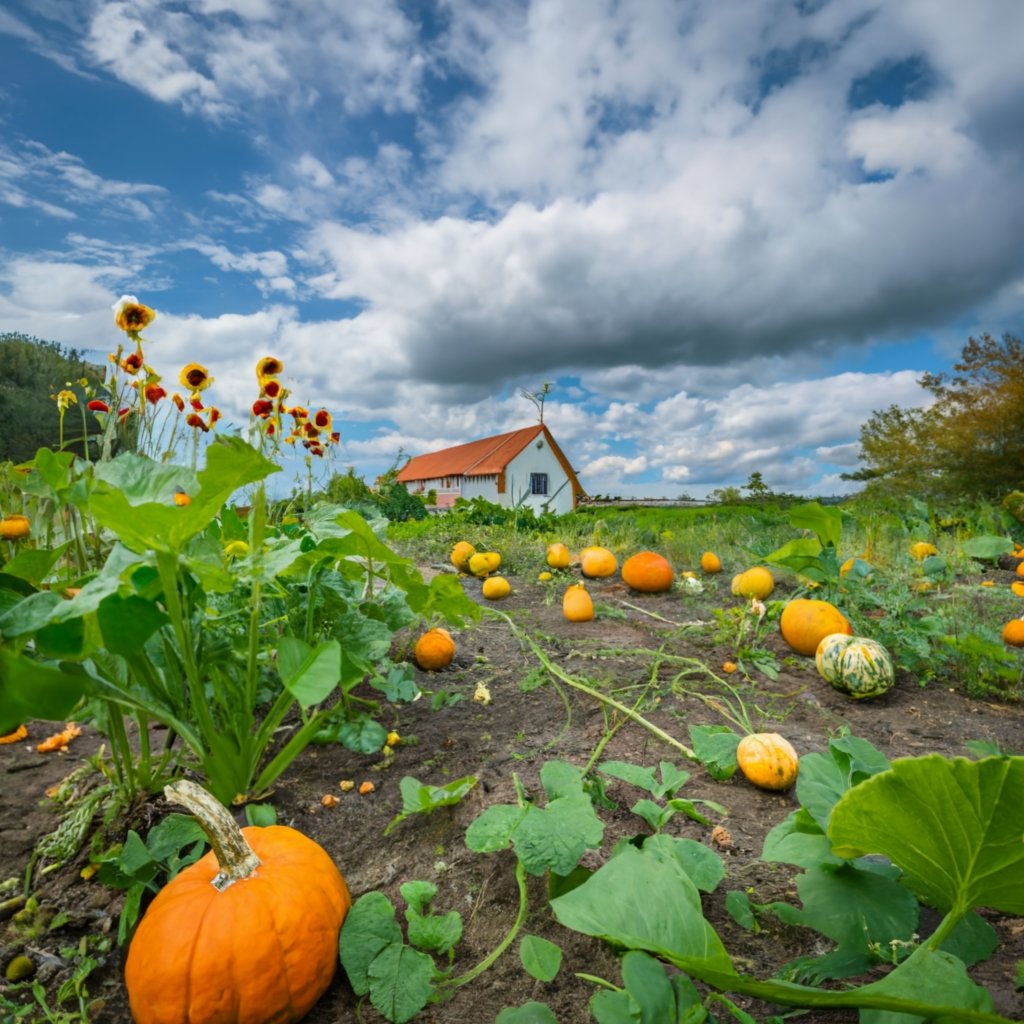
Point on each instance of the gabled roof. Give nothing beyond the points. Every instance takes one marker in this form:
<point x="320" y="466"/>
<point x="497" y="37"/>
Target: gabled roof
<point x="477" y="458"/>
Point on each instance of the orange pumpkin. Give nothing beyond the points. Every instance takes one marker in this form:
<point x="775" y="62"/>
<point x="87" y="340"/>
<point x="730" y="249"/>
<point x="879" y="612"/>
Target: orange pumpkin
<point x="577" y="604"/>
<point x="804" y="623"/>
<point x="647" y="571"/>
<point x="710" y="562"/>
<point x="597" y="562"/>
<point x="1013" y="633"/>
<point x="558" y="556"/>
<point x="248" y="934"/>
<point x="14" y="527"/>
<point x="767" y="760"/>
<point x="434" y="649"/>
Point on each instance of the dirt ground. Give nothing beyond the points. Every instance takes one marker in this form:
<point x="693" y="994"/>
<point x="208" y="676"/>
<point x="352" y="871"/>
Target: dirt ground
<point x="514" y="735"/>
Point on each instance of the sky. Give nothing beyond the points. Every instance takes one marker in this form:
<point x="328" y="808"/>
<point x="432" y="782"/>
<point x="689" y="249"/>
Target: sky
<point x="724" y="231"/>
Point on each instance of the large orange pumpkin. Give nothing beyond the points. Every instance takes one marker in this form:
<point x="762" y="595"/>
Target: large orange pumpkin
<point x="246" y="935"/>
<point x="434" y="649"/>
<point x="804" y="623"/>
<point x="597" y="562"/>
<point x="647" y="571"/>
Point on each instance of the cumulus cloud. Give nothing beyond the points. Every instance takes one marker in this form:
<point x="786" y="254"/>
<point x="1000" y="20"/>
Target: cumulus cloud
<point x="682" y="212"/>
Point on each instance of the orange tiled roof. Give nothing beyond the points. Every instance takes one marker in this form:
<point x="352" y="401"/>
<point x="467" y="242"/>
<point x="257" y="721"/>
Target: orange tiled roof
<point x="477" y="458"/>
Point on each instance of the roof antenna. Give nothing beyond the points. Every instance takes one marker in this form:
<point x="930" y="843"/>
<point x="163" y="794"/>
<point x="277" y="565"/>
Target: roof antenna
<point x="537" y="397"/>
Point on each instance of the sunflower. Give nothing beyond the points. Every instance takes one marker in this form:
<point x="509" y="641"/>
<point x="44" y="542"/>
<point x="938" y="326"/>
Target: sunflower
<point x="195" y="377"/>
<point x="131" y="315"/>
<point x="132" y="363"/>
<point x="267" y="367"/>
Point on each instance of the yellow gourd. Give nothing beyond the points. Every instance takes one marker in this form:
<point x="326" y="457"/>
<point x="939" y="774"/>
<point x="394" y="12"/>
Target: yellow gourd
<point x="558" y="556"/>
<point x="597" y="562"/>
<point x="483" y="563"/>
<point x="461" y="554"/>
<point x="577" y="605"/>
<point x="767" y="760"/>
<point x="496" y="587"/>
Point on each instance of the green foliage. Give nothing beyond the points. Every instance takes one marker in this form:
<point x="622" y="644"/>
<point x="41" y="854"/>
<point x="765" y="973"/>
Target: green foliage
<point x="969" y="441"/>
<point x="854" y="806"/>
<point x="174" y="628"/>
<point x="32" y="372"/>
<point x="144" y="866"/>
<point x="418" y="798"/>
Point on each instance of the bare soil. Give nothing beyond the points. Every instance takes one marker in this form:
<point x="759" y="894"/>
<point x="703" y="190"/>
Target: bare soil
<point x="514" y="735"/>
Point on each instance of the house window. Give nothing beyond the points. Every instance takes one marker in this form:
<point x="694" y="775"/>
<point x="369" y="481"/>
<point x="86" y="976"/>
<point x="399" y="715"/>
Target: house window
<point x="538" y="483"/>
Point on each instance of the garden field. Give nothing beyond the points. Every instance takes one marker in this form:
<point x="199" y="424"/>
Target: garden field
<point x="552" y="826"/>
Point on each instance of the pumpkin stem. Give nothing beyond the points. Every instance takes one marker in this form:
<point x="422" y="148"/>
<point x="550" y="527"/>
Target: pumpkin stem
<point x="235" y="856"/>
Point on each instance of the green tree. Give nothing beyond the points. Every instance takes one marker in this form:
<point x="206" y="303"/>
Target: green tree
<point x="758" y="489"/>
<point x="31" y="373"/>
<point x="348" y="489"/>
<point x="968" y="441"/>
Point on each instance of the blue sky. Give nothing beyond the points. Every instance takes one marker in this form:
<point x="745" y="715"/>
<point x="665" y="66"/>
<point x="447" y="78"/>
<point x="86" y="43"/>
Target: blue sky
<point x="725" y="232"/>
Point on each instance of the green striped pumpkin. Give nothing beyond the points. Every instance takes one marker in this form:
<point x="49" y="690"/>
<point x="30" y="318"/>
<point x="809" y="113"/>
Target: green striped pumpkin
<point x="855" y="665"/>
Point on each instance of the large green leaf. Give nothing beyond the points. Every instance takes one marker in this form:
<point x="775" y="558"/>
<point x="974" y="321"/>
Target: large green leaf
<point x="942" y="976"/>
<point x="34" y="564"/>
<point x="309" y="674"/>
<point x="826" y="522"/>
<point x="126" y="500"/>
<point x="954" y="826"/>
<point x="616" y="904"/>
<point x="30" y="690"/>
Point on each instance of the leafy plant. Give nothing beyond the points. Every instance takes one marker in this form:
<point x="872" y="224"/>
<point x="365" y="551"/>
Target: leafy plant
<point x="853" y="805"/>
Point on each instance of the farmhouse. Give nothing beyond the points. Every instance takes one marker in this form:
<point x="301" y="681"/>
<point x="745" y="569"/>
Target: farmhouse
<point x="524" y="467"/>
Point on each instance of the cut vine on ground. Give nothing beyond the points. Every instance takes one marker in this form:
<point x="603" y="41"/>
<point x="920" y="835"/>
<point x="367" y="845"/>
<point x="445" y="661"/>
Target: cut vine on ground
<point x="640" y="650"/>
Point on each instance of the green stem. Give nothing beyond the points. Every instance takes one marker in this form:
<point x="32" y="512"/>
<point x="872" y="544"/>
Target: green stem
<point x="806" y="997"/>
<point x="632" y="715"/>
<point x="517" y="924"/>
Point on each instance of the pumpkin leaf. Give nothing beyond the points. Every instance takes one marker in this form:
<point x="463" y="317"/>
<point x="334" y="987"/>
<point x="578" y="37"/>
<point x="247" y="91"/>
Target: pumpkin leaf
<point x="419" y="798"/>
<point x="987" y="548"/>
<point x="528" y="1013"/>
<point x="614" y="904"/>
<point x="953" y="826"/>
<point x="369" y="927"/>
<point x="826" y="521"/>
<point x="551" y="838"/>
<point x="672" y="778"/>
<point x="401" y="982"/>
<point x="936" y="972"/>
<point x="541" y="959"/>
<point x="715" y="748"/>
<point x="860" y="909"/>
<point x="310" y="674"/>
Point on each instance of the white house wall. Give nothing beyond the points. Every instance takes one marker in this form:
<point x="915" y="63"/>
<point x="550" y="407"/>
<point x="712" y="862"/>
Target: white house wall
<point x="538" y="460"/>
<point x="485" y="487"/>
